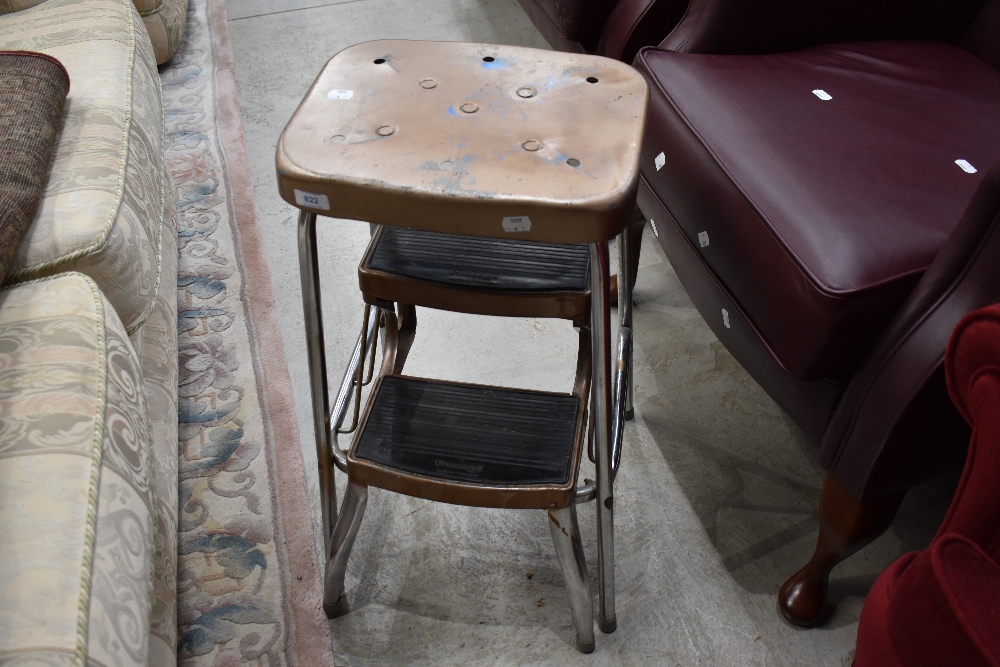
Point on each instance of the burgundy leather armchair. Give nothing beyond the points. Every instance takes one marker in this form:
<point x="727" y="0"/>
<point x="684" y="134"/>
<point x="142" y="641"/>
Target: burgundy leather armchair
<point x="612" y="28"/>
<point x="821" y="175"/>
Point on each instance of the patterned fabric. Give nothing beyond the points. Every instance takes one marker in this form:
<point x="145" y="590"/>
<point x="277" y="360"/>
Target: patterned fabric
<point x="248" y="585"/>
<point x="156" y="344"/>
<point x="33" y="88"/>
<point x="77" y="503"/>
<point x="9" y="6"/>
<point x="103" y="205"/>
<point x="164" y="21"/>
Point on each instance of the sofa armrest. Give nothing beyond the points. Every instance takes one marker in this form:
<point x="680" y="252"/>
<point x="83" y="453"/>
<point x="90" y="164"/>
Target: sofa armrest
<point x="904" y="369"/>
<point x="11" y="6"/>
<point x="634" y="24"/>
<point x="772" y="26"/>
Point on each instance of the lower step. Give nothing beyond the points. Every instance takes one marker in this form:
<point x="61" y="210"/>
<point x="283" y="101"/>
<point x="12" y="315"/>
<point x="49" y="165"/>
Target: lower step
<point x="470" y="444"/>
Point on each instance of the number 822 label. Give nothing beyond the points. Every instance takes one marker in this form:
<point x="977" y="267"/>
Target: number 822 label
<point x="312" y="200"/>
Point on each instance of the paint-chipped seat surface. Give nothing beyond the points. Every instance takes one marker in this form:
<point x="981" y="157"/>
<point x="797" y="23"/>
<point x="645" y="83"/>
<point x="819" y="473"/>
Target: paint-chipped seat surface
<point x="497" y="141"/>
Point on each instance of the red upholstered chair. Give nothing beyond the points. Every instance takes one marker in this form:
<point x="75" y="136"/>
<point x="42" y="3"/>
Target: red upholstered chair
<point x="820" y="174"/>
<point x="940" y="606"/>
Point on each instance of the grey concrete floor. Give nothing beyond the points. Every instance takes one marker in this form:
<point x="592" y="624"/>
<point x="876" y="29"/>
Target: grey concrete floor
<point x="717" y="495"/>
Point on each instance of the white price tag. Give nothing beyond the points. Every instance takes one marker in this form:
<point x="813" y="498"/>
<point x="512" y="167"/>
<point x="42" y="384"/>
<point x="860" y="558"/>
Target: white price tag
<point x="517" y="223"/>
<point x="725" y="318"/>
<point x="340" y="94"/>
<point x="312" y="200"/>
<point x="660" y="160"/>
<point x="966" y="167"/>
<point x="703" y="239"/>
<point x="822" y="94"/>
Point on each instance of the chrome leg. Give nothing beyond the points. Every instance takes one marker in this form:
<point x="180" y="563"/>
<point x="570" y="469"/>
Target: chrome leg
<point x="600" y="326"/>
<point x="625" y="261"/>
<point x="342" y="542"/>
<point x="566" y="537"/>
<point x="316" y="352"/>
<point x="364" y="346"/>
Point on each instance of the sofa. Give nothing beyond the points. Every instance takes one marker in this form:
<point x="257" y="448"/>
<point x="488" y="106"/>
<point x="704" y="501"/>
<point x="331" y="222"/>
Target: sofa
<point x="88" y="360"/>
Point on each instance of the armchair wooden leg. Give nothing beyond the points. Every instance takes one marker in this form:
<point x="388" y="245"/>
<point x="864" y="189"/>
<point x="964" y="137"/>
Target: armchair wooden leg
<point x="845" y="526"/>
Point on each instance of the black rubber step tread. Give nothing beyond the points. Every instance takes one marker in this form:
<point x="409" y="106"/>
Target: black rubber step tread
<point x="469" y="433"/>
<point x="481" y="262"/>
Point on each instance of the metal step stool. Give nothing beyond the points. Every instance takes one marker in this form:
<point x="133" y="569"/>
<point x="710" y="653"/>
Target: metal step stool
<point x="480" y="163"/>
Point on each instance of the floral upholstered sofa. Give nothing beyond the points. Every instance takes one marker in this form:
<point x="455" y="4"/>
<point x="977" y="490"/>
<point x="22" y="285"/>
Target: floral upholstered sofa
<point x="88" y="359"/>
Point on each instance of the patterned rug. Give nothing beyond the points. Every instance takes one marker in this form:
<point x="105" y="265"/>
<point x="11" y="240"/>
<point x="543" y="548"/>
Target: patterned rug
<point x="248" y="584"/>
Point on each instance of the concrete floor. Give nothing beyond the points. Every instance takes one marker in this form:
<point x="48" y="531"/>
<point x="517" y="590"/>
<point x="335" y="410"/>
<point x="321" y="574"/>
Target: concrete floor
<point x="718" y="490"/>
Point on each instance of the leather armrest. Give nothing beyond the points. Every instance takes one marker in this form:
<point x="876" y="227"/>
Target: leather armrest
<point x="772" y="26"/>
<point x="906" y="363"/>
<point x="634" y="24"/>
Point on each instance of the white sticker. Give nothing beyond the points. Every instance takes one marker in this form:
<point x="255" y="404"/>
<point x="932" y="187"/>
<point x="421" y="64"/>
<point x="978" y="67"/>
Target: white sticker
<point x="703" y="239"/>
<point x="660" y="160"/>
<point x="312" y="200"/>
<point x="517" y="223"/>
<point x="966" y="167"/>
<point x="725" y="318"/>
<point x="653" y="225"/>
<point x="822" y="94"/>
<point x="340" y="94"/>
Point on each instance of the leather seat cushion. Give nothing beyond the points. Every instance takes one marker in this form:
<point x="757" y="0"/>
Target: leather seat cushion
<point x="819" y="215"/>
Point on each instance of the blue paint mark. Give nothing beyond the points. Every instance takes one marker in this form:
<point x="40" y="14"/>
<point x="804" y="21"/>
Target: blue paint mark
<point x="496" y="64"/>
<point x="451" y="110"/>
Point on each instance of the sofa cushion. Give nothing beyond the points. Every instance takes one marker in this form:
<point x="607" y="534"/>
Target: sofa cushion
<point x="75" y="496"/>
<point x="820" y="210"/>
<point x="33" y="87"/>
<point x="103" y="208"/>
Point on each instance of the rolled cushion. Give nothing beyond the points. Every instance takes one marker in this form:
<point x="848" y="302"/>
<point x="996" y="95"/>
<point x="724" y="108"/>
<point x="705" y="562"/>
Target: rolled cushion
<point x="818" y="185"/>
<point x="33" y="88"/>
<point x="103" y="208"/>
<point x="77" y="510"/>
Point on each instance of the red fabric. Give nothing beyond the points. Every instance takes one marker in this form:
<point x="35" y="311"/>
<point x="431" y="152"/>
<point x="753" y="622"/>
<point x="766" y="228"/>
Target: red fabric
<point x="972" y="368"/>
<point x="941" y="606"/>
<point x="874" y="647"/>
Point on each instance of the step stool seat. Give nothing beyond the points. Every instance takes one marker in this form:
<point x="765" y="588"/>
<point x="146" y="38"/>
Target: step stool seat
<point x="481" y="139"/>
<point x="470" y="444"/>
